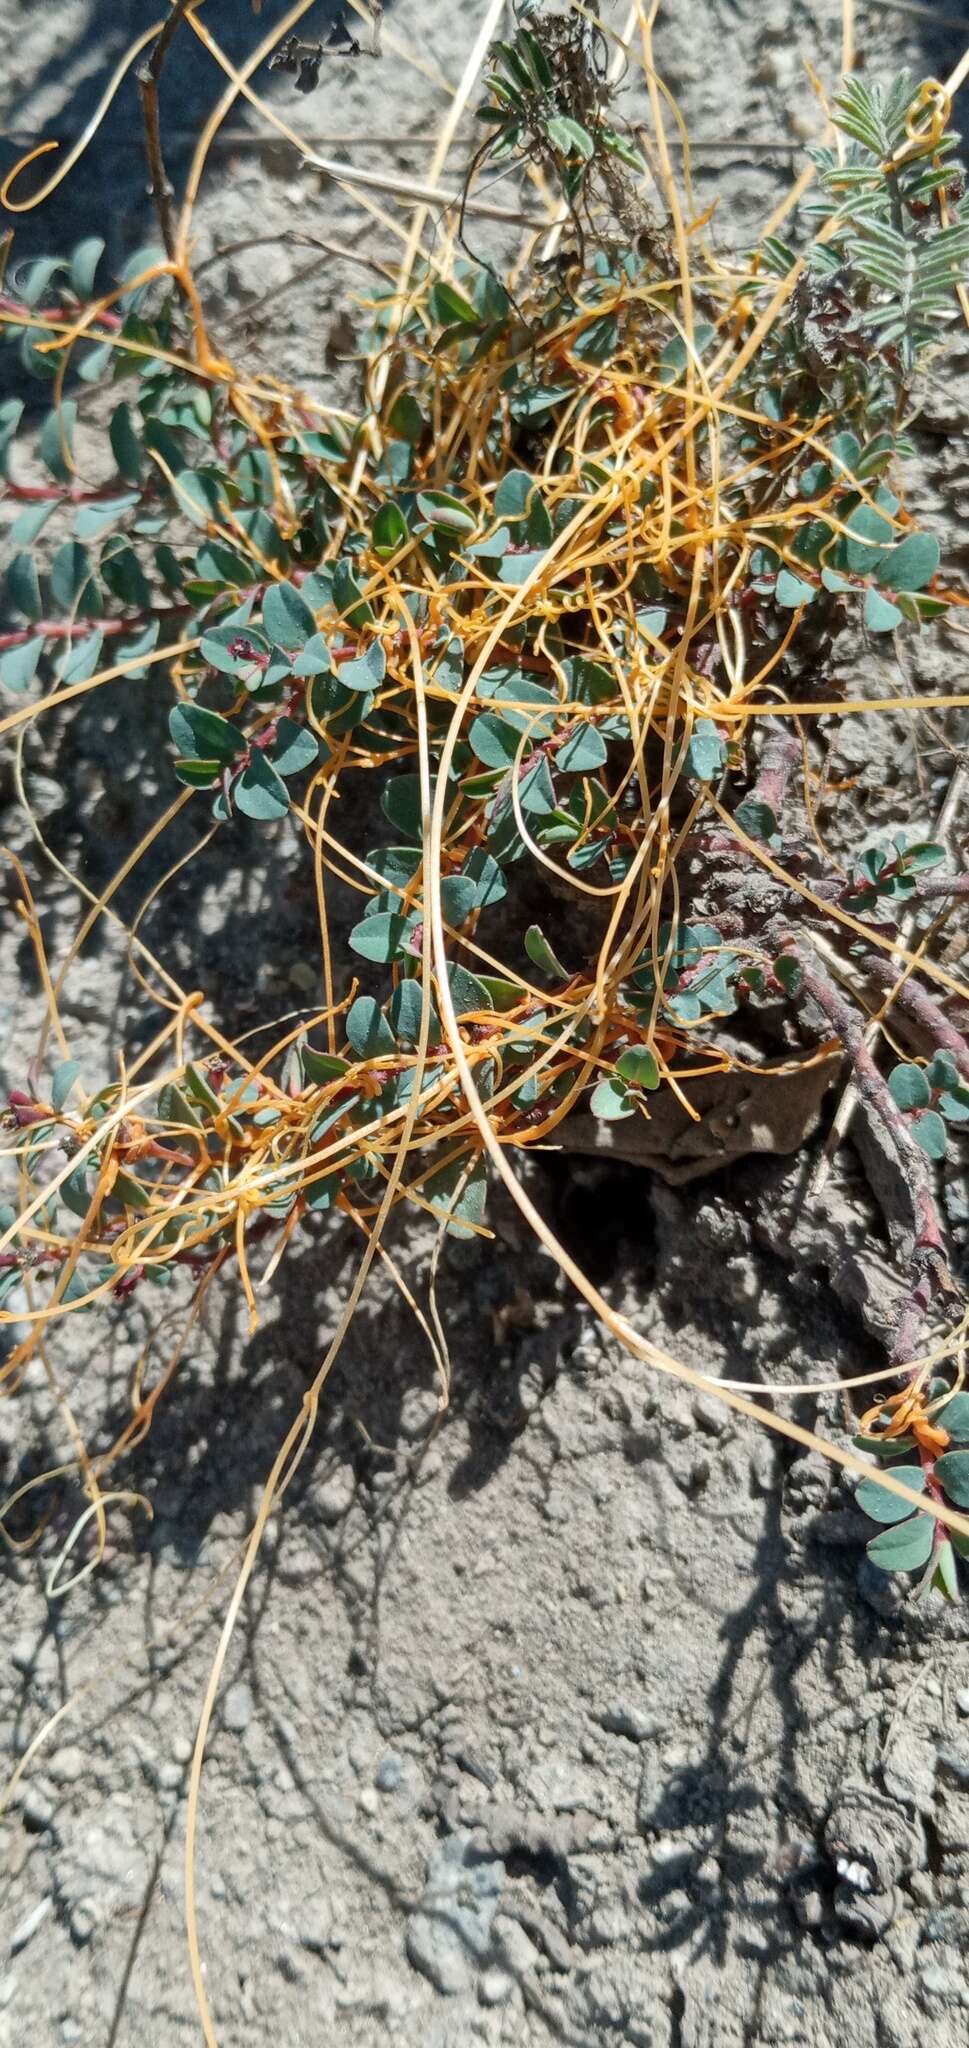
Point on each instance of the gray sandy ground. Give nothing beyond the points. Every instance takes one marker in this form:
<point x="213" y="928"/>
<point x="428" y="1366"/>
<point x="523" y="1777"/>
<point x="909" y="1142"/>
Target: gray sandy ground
<point x="551" y="1726"/>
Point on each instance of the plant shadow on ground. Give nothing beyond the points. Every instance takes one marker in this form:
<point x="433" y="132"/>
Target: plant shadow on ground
<point x="79" y="65"/>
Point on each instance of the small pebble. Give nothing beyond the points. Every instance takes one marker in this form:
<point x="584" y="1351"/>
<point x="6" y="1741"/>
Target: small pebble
<point x="369" y="1800"/>
<point x="237" y="1707"/>
<point x="37" y="1809"/>
<point x="335" y="1498"/>
<point x="962" y="1700"/>
<point x="27" y="1928"/>
<point x="941" y="1981"/>
<point x="316" y="1927"/>
<point x="632" y="1722"/>
<point x="494" y="1987"/>
<point x="67" y="1765"/>
<point x="955" y="1761"/>
<point x="389" y="1774"/>
<point x="83" y="1921"/>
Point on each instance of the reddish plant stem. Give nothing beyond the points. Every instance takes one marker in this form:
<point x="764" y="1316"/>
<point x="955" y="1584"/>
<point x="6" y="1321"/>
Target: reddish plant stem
<point x="75" y="629"/>
<point x="931" y="887"/>
<point x="51" y="313"/>
<point x="877" y="1097"/>
<point x="778" y="761"/>
<point x="929" y="1250"/>
<point x="925" y="1011"/>
<point x="37" y="494"/>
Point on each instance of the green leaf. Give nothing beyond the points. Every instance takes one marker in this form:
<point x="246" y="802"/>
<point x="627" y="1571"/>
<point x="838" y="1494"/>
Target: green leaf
<point x="467" y="992"/>
<point x="406" y="418"/>
<point x="638" y="1066"/>
<point x="583" y="752"/>
<point x="321" y="1066"/>
<point x="400" y="801"/>
<point x="23" y="586"/>
<point x="789" y="972"/>
<point x="494" y="741"/>
<point x="123" y="573"/>
<point x="942" y="1071"/>
<point x="405" y="1014"/>
<point x="198" y="774"/>
<point x="384" y="936"/>
<point x="570" y="137"/>
<point x="175" y="1108"/>
<point x="905" y="1547"/>
<point x="619" y="145"/>
<point x="487" y="879"/>
<point x="199" y="496"/>
<point x="200" y="1089"/>
<point x="295" y="748"/>
<point x="368" y="1030"/>
<point x="880" y="615"/>
<point x="457" y="899"/>
<point x="77" y="1189"/>
<point x="912" y="564"/>
<point x="202" y="734"/>
<point x="349" y="599"/>
<point x="261" y="793"/>
<point x="706" y="754"/>
<point x="675" y="355"/>
<point x="62" y="1081"/>
<point x="531" y="50"/>
<point x="756" y="819"/>
<point x="321" y="1194"/>
<point x="314" y="658"/>
<point x="367" y="671"/>
<point x="449" y="308"/>
<point x="954" y="1104"/>
<point x="926" y="854"/>
<point x="954" y="1416"/>
<point x="218" y="642"/>
<point x="462" y="1209"/>
<point x="125" y="445"/>
<point x="72" y="581"/>
<point x="84" y="262"/>
<point x="11" y="413"/>
<point x="792" y="591"/>
<point x="217" y="563"/>
<point x="952" y="1472"/>
<point x="287" y="617"/>
<point x="883" y="1506"/>
<point x="514" y="494"/>
<point x="589" y="682"/>
<point x="389" y="531"/>
<point x="945" y="1578"/>
<point x="612" y="1100"/>
<point x="865" y="527"/>
<point x="928" y="1130"/>
<point x="32" y="284"/>
<point x="517" y="565"/>
<point x="18" y="665"/>
<point x="909" y="1087"/>
<point x="32" y="520"/>
<point x="442" y="509"/>
<point x="539" y="950"/>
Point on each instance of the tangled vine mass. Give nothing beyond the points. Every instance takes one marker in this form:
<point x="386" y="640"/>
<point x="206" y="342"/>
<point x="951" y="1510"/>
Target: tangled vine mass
<point x="528" y="658"/>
